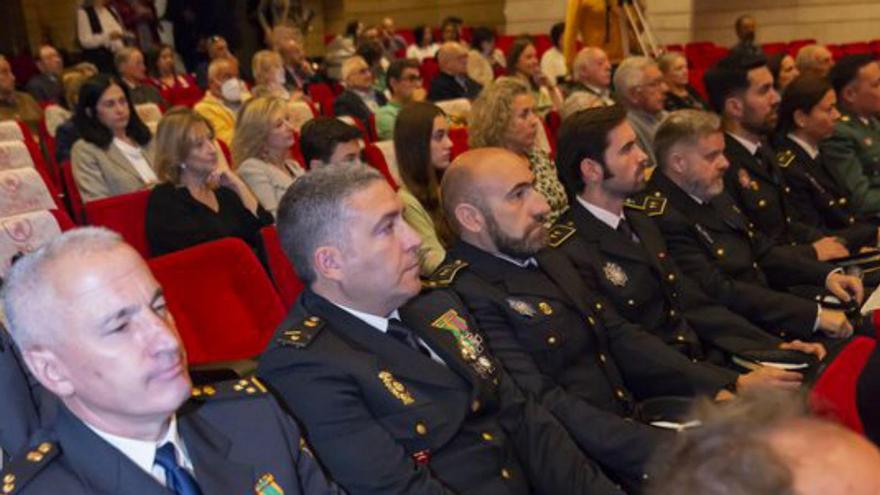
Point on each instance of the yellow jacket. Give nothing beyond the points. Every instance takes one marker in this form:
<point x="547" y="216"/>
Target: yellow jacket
<point x="588" y="18"/>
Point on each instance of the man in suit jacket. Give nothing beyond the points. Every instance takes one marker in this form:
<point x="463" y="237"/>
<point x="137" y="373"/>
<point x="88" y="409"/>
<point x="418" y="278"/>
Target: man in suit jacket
<point x="712" y="241"/>
<point x="46" y="86"/>
<point x="359" y="99"/>
<point x="453" y="82"/>
<point x="94" y="329"/>
<point x="404" y="395"/>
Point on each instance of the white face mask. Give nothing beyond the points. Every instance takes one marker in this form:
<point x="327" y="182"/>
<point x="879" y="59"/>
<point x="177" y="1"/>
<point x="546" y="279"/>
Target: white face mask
<point x="280" y="77"/>
<point x="231" y="89"/>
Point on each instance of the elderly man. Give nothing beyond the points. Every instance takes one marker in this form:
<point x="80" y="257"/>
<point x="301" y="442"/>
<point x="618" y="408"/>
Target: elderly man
<point x="854" y="148"/>
<point x="46" y="86"/>
<point x="133" y="72"/>
<point x="404" y="395"/>
<point x="768" y="445"/>
<point x="714" y="243"/>
<point x="94" y="329"/>
<point x="17" y="105"/>
<point x="591" y="73"/>
<point x="453" y="81"/>
<point x="814" y="59"/>
<point x="405" y="83"/>
<point x="641" y="89"/>
<point x="226" y="93"/>
<point x="618" y="247"/>
<point x="359" y="99"/>
<point x="741" y="91"/>
<point x="330" y="141"/>
<point x="298" y="72"/>
<point x="217" y="48"/>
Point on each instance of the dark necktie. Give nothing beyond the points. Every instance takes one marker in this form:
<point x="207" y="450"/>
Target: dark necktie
<point x="404" y="335"/>
<point x="627" y="231"/>
<point x="177" y="479"/>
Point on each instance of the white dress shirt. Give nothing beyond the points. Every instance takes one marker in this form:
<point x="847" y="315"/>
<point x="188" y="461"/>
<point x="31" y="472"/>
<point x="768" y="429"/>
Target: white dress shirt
<point x="381" y="324"/>
<point x="135" y="156"/>
<point x="809" y="148"/>
<point x="749" y="145"/>
<point x="608" y="218"/>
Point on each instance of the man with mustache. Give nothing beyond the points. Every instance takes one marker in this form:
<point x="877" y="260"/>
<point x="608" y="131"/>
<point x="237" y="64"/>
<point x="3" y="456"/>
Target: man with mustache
<point x="93" y="328"/>
<point x="398" y="391"/>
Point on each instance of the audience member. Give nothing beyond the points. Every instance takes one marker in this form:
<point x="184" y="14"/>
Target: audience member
<point x="423" y="150"/>
<point x="199" y="200"/>
<point x="854" y="148"/>
<point x="217" y="48"/>
<point x="359" y="99"/>
<point x="814" y="59"/>
<point x="453" y="81"/>
<point x="225" y="95"/>
<point x="267" y="67"/>
<point x="424" y="47"/>
<point x="445" y="416"/>
<point x="484" y="58"/>
<point x="110" y="158"/>
<point x="504" y="117"/>
<point x="553" y="60"/>
<point x="451" y="29"/>
<point x="523" y="64"/>
<point x="330" y="141"/>
<point x="746" y="26"/>
<point x="783" y="68"/>
<point x="46" y="86"/>
<point x="17" y="105"/>
<point x="767" y="444"/>
<point x="87" y="303"/>
<point x="591" y="73"/>
<point x="65" y="132"/>
<point x="261" y="150"/>
<point x="174" y="87"/>
<point x="133" y="73"/>
<point x="577" y="101"/>
<point x="681" y="94"/>
<point x="641" y="89"/>
<point x="392" y="42"/>
<point x="99" y="33"/>
<point x="298" y="71"/>
<point x="341" y="49"/>
<point x="374" y="56"/>
<point x="405" y="83"/>
<point x="139" y="18"/>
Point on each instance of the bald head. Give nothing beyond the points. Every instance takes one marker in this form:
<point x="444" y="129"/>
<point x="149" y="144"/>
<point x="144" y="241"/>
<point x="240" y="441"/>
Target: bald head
<point x="591" y="66"/>
<point x="452" y="58"/>
<point x="469" y="175"/>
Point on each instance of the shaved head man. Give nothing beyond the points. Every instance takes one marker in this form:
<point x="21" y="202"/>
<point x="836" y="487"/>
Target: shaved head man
<point x="453" y="81"/>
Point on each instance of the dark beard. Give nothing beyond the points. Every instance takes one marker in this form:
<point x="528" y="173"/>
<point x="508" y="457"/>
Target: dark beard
<point x="519" y="249"/>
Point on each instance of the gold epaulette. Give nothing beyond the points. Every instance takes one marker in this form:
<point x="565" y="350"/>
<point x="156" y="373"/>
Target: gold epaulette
<point x="443" y="276"/>
<point x="784" y="158"/>
<point x="560" y="233"/>
<point x="22" y="469"/>
<point x="300" y="335"/>
<point x="652" y="205"/>
<point x="230" y="389"/>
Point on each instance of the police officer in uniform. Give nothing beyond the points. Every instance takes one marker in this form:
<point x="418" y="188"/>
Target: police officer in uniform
<point x="118" y="368"/>
<point x="711" y="241"/>
<point x="854" y="148"/>
<point x="399" y="392"/>
<point x="18" y="411"/>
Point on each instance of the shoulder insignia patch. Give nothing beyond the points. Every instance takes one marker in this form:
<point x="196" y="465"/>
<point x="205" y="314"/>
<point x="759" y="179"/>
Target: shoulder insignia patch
<point x="560" y="233"/>
<point x="784" y="158"/>
<point x="230" y="389"/>
<point x="301" y="334"/>
<point x="652" y="205"/>
<point x="22" y="469"/>
<point x="443" y="276"/>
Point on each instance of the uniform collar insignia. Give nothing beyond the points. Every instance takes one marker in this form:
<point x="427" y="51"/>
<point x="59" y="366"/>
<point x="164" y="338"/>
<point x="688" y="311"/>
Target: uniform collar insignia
<point x="266" y="486"/>
<point x="521" y="307"/>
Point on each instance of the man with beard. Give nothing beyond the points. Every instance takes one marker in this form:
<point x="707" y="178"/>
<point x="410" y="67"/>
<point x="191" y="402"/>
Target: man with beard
<point x="741" y="90"/>
<point x="558" y="339"/>
<point x="713" y="242"/>
<point x="398" y="391"/>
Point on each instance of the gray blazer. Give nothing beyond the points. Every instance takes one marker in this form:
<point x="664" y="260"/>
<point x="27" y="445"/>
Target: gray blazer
<point x="267" y="182"/>
<point x="101" y="173"/>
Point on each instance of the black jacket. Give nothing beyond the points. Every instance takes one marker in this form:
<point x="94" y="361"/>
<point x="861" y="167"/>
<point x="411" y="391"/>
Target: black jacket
<point x="19" y="414"/>
<point x="349" y="103"/>
<point x="446" y="87"/>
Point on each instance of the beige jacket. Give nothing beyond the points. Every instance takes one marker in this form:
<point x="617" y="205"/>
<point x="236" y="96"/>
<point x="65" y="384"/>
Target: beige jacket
<point x="101" y="173"/>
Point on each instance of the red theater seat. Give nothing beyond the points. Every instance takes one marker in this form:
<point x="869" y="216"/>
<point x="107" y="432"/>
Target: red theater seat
<point x="74" y="199"/>
<point x="429" y="70"/>
<point x="286" y="280"/>
<point x="125" y="214"/>
<point x="834" y="394"/>
<point x="376" y="159"/>
<point x="322" y="94"/>
<point x="459" y="137"/>
<point x="223" y="302"/>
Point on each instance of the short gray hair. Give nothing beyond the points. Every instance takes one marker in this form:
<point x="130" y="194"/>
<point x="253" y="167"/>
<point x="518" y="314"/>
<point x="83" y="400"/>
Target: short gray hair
<point x="123" y="55"/>
<point x="312" y="213"/>
<point x="583" y="57"/>
<point x="683" y="126"/>
<point x="805" y="60"/>
<point x="631" y="73"/>
<point x="667" y="59"/>
<point x="30" y="287"/>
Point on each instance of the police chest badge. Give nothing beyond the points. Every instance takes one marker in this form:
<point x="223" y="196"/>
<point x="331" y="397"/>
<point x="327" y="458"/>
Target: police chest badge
<point x="615" y="274"/>
<point x="470" y="345"/>
<point x="522" y="307"/>
<point x="266" y="485"/>
<point x="397" y="389"/>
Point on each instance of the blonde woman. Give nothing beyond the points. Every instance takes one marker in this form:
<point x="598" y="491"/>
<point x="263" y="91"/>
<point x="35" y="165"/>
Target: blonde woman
<point x="268" y="70"/>
<point x="503" y="116"/>
<point x="198" y="200"/>
<point x="261" y="150"/>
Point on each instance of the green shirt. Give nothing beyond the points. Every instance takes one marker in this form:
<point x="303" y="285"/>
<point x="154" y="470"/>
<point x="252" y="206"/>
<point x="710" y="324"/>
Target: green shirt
<point x="853" y="155"/>
<point x="386" y="116"/>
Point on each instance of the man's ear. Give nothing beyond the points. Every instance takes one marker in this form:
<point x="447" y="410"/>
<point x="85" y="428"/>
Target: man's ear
<point x="48" y="370"/>
<point x="591" y="171"/>
<point x="470" y="218"/>
<point x="676" y="162"/>
<point x="734" y="107"/>
<point x="327" y="262"/>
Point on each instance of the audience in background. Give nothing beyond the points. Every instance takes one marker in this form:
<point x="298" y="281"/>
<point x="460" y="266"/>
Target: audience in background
<point x="139" y="18"/>
<point x="226" y="92"/>
<point x="65" y="132"/>
<point x="504" y="116"/>
<point x="261" y="150"/>
<point x="360" y="99"/>
<point x="484" y="58"/>
<point x="17" y="105"/>
<point x="329" y="141"/>
<point x="340" y="49"/>
<point x="175" y="88"/>
<point x="453" y="81"/>
<point x="522" y="63"/>
<point x="553" y="60"/>
<point x="199" y="200"/>
<point x="451" y="29"/>
<point x="217" y="48"/>
<point x="424" y="47"/>
<point x="577" y="101"/>
<point x="392" y="42"/>
<point x="405" y="84"/>
<point x="374" y="56"/>
<point x="298" y="72"/>
<point x="814" y="59"/>
<point x="267" y="67"/>
<point x="783" y="68"/>
<point x="591" y="73"/>
<point x="681" y="94"/>
<point x="46" y="85"/>
<point x="423" y="150"/>
<point x="641" y="89"/>
<point x="746" y="26"/>
<point x="100" y="34"/>
<point x="133" y="73"/>
<point x="110" y="157"/>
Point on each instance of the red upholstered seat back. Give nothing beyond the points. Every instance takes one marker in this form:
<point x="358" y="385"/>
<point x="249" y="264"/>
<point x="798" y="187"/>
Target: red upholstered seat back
<point x="286" y="280"/>
<point x="222" y="300"/>
<point x="74" y="199"/>
<point x="374" y="158"/>
<point x="459" y="138"/>
<point x="834" y="394"/>
<point x="126" y="214"/>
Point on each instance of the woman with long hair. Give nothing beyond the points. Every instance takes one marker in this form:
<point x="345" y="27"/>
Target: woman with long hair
<point x="523" y="64"/>
<point x="175" y="88"/>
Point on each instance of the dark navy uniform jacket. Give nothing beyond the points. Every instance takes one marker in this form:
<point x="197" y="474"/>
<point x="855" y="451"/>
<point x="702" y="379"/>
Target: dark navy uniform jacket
<point x="19" y="416"/>
<point x="237" y="437"/>
<point x="386" y="418"/>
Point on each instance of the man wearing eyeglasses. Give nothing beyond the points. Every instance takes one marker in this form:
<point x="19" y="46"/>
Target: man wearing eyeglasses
<point x="405" y="83"/>
<point x="639" y="86"/>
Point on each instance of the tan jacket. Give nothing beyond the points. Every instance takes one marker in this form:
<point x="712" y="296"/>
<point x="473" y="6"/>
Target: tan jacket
<point x="101" y="173"/>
